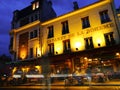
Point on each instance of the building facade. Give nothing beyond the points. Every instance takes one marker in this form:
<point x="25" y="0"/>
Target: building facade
<point x="86" y="37"/>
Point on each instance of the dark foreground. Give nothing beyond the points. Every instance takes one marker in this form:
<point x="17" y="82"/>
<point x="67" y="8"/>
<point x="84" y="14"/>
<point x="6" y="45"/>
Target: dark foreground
<point x="60" y="88"/>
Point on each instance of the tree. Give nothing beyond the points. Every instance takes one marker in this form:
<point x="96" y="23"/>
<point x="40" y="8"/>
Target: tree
<point x="4" y="67"/>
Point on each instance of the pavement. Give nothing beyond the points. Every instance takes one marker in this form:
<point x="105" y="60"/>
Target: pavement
<point x="61" y="88"/>
<point x="62" y="83"/>
<point x="110" y="85"/>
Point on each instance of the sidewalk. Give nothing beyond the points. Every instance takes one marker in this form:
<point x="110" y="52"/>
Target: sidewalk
<point x="61" y="83"/>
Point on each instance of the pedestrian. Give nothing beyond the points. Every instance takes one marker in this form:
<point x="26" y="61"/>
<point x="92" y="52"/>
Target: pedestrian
<point x="89" y="75"/>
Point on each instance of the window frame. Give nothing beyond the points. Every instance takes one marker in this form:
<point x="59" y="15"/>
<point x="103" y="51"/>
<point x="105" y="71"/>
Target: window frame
<point x="85" y="22"/>
<point x="51" y="49"/>
<point x="109" y="39"/>
<point x="65" y="27"/>
<point x="66" y="46"/>
<point x="50" y="31"/>
<point x="104" y="16"/>
<point x="89" y="43"/>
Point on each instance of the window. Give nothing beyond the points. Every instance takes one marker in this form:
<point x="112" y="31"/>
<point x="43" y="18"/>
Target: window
<point x="24" y="21"/>
<point x="31" y="52"/>
<point x="109" y="39"/>
<point x="104" y="16"/>
<point x="66" y="45"/>
<point x="33" y="34"/>
<point x="51" y="49"/>
<point x="89" y="43"/>
<point x="36" y="17"/>
<point x="35" y="5"/>
<point x="85" y="22"/>
<point x="32" y="19"/>
<point x="65" y="28"/>
<point x="50" y="32"/>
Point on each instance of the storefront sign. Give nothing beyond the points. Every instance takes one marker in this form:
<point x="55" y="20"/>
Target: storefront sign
<point x="94" y="29"/>
<point x="82" y="32"/>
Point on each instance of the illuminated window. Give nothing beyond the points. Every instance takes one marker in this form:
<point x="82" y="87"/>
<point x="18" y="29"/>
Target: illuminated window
<point x="35" y="5"/>
<point x="50" y="32"/>
<point x="109" y="39"/>
<point x="85" y="22"/>
<point x="66" y="45"/>
<point x="104" y="16"/>
<point x="89" y="43"/>
<point x="65" y="28"/>
<point x="31" y="52"/>
<point x="51" y="49"/>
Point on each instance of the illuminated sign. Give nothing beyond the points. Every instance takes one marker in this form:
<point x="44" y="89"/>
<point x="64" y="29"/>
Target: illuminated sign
<point x="82" y="32"/>
<point x="16" y="76"/>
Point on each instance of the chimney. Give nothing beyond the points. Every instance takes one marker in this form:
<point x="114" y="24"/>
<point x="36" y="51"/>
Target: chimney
<point x="15" y="15"/>
<point x="75" y="5"/>
<point x="50" y="2"/>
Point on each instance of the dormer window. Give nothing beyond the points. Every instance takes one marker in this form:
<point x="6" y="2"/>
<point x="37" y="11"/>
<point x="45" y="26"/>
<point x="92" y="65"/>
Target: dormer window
<point x="35" y="5"/>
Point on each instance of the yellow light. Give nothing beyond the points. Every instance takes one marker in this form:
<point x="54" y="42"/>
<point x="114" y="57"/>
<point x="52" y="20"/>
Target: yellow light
<point x="23" y="52"/>
<point x="33" y="7"/>
<point x="89" y="60"/>
<point x="117" y="54"/>
<point x="27" y="69"/>
<point x="38" y="52"/>
<point x="99" y="41"/>
<point x="58" y="49"/>
<point x="14" y="69"/>
<point x="23" y="69"/>
<point x="85" y="58"/>
<point x="37" y="4"/>
<point x="77" y="44"/>
<point x="38" y="68"/>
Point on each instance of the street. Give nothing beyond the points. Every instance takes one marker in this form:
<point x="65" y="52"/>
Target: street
<point x="61" y="88"/>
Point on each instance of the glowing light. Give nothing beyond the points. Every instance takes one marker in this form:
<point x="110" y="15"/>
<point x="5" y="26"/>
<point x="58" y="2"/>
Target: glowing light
<point x="38" y="68"/>
<point x="33" y="7"/>
<point x="23" y="52"/>
<point x="16" y="76"/>
<point x="85" y="58"/>
<point x="117" y="54"/>
<point x="37" y="4"/>
<point x="34" y="76"/>
<point x="89" y="60"/>
<point x="23" y="69"/>
<point x="98" y="41"/>
<point x="14" y="69"/>
<point x="58" y="49"/>
<point x="38" y="52"/>
<point x="77" y="44"/>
